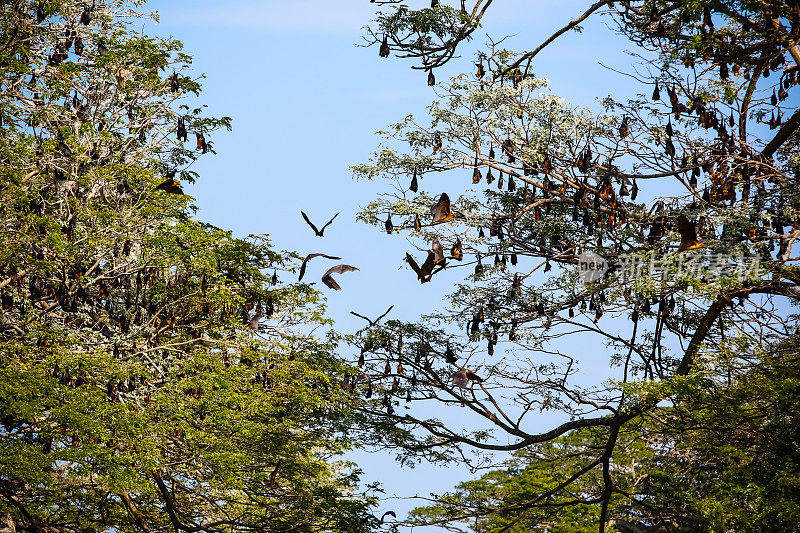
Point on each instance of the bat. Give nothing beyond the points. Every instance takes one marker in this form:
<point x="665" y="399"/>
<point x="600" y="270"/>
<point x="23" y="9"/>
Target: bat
<point x="417" y="223"/>
<point x="372" y="322"/>
<point x="669" y="129"/>
<point x="388" y="224"/>
<point x="170" y="185"/>
<point x="318" y="232"/>
<point x="182" y="135"/>
<point x="174" y="86"/>
<point x="201" y="142"/>
<point x="425" y="272"/>
<point x="438" y="251"/>
<point x="86" y="16"/>
<point x="456" y="251"/>
<point x="388" y="513"/>
<point x="624" y="130"/>
<point x="431" y="79"/>
<point x="688" y="231"/>
<point x="414" y="184"/>
<point x="328" y="280"/>
<point x="450" y="356"/>
<point x="437" y="142"/>
<point x="384" y="49"/>
<point x="255" y="321"/>
<point x="656" y="93"/>
<point x="308" y="258"/>
<point x="441" y="210"/>
<point x="481" y="72"/>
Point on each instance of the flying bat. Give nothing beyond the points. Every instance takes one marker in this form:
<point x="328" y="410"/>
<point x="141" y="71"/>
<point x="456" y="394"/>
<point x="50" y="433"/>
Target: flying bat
<point x="688" y="231"/>
<point x="388" y="513"/>
<point x="308" y="258"/>
<point x="424" y="272"/>
<point x="328" y="280"/>
<point x="441" y="210"/>
<point x="372" y="322"/>
<point x="170" y="185"/>
<point x="318" y="232"/>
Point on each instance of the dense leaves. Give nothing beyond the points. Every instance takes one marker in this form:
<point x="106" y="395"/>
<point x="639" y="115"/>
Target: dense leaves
<point x="138" y="389"/>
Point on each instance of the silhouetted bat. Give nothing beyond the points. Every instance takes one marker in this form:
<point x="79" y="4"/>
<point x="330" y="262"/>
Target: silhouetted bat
<point x="384" y="49"/>
<point x="328" y="280"/>
<point x="390" y="513"/>
<point x="174" y="86"/>
<point x="441" y="210"/>
<point x="308" y="258"/>
<point x="372" y="322"/>
<point x="431" y="79"/>
<point x="424" y="272"/>
<point x="318" y="232"/>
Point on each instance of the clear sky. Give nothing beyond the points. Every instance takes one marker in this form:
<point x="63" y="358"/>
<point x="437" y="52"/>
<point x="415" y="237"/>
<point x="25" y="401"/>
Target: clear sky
<point x="305" y="103"/>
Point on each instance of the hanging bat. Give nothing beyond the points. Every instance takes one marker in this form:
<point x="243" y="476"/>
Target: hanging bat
<point x="201" y="142"/>
<point x="328" y="280"/>
<point x="425" y="272"/>
<point x="441" y="210"/>
<point x="456" y="252"/>
<point x="688" y="231"/>
<point x="170" y="185"/>
<point x="417" y="223"/>
<point x="255" y="321"/>
<point x="308" y="258"/>
<point x="373" y="322"/>
<point x="438" y="251"/>
<point x="656" y="93"/>
<point x="384" y="49"/>
<point x="318" y="232"/>
<point x="414" y="184"/>
<point x="174" y="86"/>
<point x="431" y="79"/>
<point x="624" y="130"/>
<point x="388" y="224"/>
<point x="86" y="16"/>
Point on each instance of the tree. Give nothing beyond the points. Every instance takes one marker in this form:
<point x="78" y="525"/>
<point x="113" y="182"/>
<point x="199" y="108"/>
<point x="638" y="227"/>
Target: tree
<point x="681" y="206"/>
<point x="153" y="374"/>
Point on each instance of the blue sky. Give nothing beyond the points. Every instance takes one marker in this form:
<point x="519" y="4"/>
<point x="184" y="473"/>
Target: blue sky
<point x="305" y="103"/>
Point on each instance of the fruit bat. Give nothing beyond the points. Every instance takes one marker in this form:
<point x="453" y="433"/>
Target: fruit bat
<point x="624" y="130"/>
<point x="328" y="280"/>
<point x="78" y="46"/>
<point x="478" y="268"/>
<point x="434" y="3"/>
<point x="438" y="251"/>
<point x="255" y="321"/>
<point x="490" y="176"/>
<point x="481" y="72"/>
<point x="417" y="223"/>
<point x="508" y="149"/>
<point x="374" y="322"/>
<point x="669" y="148"/>
<point x="424" y="272"/>
<point x="170" y="185"/>
<point x="511" y="185"/>
<point x="182" y="135"/>
<point x="634" y="190"/>
<point x="201" y="142"/>
<point x="174" y="86"/>
<point x="459" y="378"/>
<point x="437" y="142"/>
<point x="318" y="232"/>
<point x="384" y="49"/>
<point x="669" y="129"/>
<point x="688" y="231"/>
<point x="41" y="14"/>
<point x="656" y="92"/>
<point x="308" y="258"/>
<point x="441" y="210"/>
<point x="414" y="184"/>
<point x="86" y="16"/>
<point x="476" y="174"/>
<point x="431" y="79"/>
<point x="500" y="181"/>
<point x="450" y="356"/>
<point x="456" y="251"/>
<point x="491" y="152"/>
<point x="388" y="224"/>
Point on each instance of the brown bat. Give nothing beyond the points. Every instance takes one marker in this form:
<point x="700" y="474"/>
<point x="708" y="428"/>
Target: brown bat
<point x="424" y="272"/>
<point x="441" y="210"/>
<point x="438" y="251"/>
<point x="384" y="49"/>
<point x="170" y="185"/>
<point x="456" y="251"/>
<point x="318" y="232"/>
<point x="688" y="231"/>
<point x="255" y="321"/>
<point x="328" y="280"/>
<point x="308" y="258"/>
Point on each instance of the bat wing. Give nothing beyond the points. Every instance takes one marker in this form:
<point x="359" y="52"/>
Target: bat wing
<point x="382" y="316"/>
<point x="362" y="316"/>
<point x="308" y="258"/>
<point x="340" y="269"/>
<point x="330" y="282"/>
<point x="328" y="224"/>
<point x="305" y="217"/>
<point x="427" y="267"/>
<point x="414" y="265"/>
<point x="441" y="211"/>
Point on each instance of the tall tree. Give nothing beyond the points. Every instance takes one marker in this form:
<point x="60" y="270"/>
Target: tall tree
<point x="153" y="374"/>
<point x="680" y="207"/>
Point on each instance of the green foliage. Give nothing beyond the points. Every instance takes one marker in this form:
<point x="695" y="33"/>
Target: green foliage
<point x="133" y="393"/>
